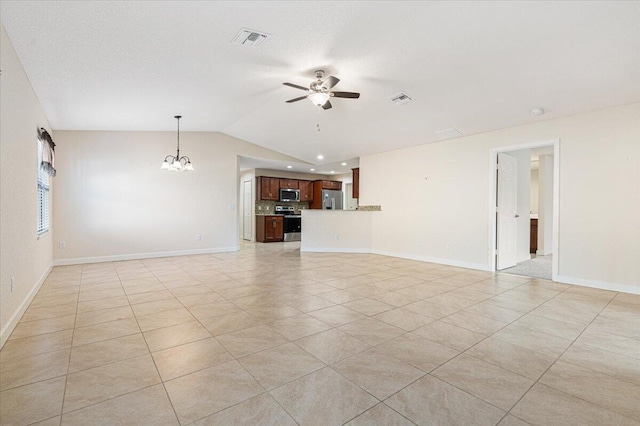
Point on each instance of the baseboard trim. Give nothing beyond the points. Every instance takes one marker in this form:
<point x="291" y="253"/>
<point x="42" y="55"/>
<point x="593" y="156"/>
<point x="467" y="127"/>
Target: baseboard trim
<point x="603" y="285"/>
<point x="136" y="256"/>
<point x="448" y="262"/>
<point x="335" y="250"/>
<point x="17" y="315"/>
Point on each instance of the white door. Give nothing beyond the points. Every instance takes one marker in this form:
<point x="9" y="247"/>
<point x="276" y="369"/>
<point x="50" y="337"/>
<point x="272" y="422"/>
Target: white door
<point x="247" y="214"/>
<point x="507" y="216"/>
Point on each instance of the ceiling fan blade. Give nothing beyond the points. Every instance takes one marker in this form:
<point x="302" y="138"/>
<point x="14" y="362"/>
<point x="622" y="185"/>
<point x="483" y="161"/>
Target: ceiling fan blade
<point x="352" y="95"/>
<point x="295" y="86"/>
<point x="329" y="82"/>
<point x="296" y="99"/>
<point x="327" y="105"/>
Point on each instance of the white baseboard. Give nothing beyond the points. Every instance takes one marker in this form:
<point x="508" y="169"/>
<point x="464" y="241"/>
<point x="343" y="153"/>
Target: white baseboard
<point x="448" y="262"/>
<point x="10" y="325"/>
<point x="603" y="285"/>
<point x="135" y="256"/>
<point x="543" y="252"/>
<point x="335" y="250"/>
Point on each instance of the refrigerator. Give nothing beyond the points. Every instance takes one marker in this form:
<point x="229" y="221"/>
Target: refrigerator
<point x="331" y="199"/>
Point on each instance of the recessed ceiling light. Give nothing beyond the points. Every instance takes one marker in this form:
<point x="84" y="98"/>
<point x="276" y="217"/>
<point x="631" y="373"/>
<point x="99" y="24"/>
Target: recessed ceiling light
<point x="320" y="157"/>
<point x="312" y="170"/>
<point x="289" y="167"/>
<point x="332" y="171"/>
<point x="343" y="164"/>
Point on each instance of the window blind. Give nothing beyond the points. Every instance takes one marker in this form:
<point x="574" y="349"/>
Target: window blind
<point x="43" y="193"/>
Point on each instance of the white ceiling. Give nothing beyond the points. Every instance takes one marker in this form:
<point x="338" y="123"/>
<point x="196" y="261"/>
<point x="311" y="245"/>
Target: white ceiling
<point x="474" y="66"/>
<point x="337" y="168"/>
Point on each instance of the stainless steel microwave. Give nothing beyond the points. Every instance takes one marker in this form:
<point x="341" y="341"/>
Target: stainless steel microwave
<point x="289" y="194"/>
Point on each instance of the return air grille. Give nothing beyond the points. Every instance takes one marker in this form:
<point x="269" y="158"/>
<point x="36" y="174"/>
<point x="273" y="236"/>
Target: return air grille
<point x="400" y="98"/>
<point x="247" y="37"/>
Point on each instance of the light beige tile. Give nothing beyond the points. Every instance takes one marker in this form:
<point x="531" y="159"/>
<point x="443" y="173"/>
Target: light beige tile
<point x="323" y="398"/>
<point x="309" y="303"/>
<point x="193" y="396"/>
<point x="534" y="340"/>
<point x="618" y="366"/>
<point x="597" y="388"/>
<point x="272" y="312"/>
<point x="629" y="328"/>
<point x="544" y="406"/>
<point x="381" y="414"/>
<point x="34" y="345"/>
<point x="163" y="338"/>
<point x="339" y="296"/>
<point x="332" y="345"/>
<point x="430" y="309"/>
<point x="53" y="421"/>
<point x="510" y="420"/>
<point x="209" y="310"/>
<point x="337" y="315"/>
<point x="147" y="406"/>
<point x="107" y="351"/>
<point x="157" y="306"/>
<point x="379" y="374"/>
<point x="98" y="384"/>
<point x="221" y="324"/>
<point x="150" y="296"/>
<point x="394" y="298"/>
<point x="164" y="319"/>
<point x="86" y="296"/>
<point x="372" y="331"/>
<point x="280" y="365"/>
<point x="474" y="322"/>
<point x="297" y="327"/>
<point x="31" y="403"/>
<point x="404" y="319"/>
<point x="449" y="335"/>
<point x="515" y="358"/>
<point x="417" y="351"/>
<point x="486" y="381"/>
<point x="368" y="307"/>
<point x="105" y="315"/>
<point x="251" y="340"/>
<point x="37" y="327"/>
<point x="494" y="312"/>
<point x="189" y="358"/>
<point x="259" y="410"/>
<point x="550" y="326"/>
<point x="34" y="314"/>
<point x="96" y="305"/>
<point x="431" y="401"/>
<point x="613" y="343"/>
<point x="25" y="370"/>
<point x="104" y="331"/>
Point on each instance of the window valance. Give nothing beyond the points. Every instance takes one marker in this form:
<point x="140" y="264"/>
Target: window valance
<point x="48" y="152"/>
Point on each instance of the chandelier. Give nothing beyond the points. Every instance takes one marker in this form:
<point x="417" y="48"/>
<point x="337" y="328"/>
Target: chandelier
<point x="177" y="163"/>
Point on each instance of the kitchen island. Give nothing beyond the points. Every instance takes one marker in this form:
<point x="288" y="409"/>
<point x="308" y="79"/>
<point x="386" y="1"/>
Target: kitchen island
<point x="340" y="231"/>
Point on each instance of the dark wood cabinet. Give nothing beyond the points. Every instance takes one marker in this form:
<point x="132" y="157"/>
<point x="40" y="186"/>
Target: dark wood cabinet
<point x="268" y="188"/>
<point x="318" y="186"/>
<point x="306" y="190"/>
<point x="289" y="183"/>
<point x="330" y="184"/>
<point x="269" y="229"/>
<point x="355" y="192"/>
<point x="533" y="237"/>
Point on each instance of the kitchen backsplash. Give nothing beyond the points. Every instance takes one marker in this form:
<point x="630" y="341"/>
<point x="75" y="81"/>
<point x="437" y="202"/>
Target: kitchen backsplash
<point x="268" y="207"/>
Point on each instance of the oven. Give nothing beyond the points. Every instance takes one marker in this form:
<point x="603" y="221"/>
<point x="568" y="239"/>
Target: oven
<point x="292" y="223"/>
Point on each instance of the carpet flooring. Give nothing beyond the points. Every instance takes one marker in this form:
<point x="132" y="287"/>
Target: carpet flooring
<point x="539" y="267"/>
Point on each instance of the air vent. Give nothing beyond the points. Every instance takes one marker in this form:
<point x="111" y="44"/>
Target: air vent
<point x="247" y="37"/>
<point x="400" y="98"/>
<point x="447" y="134"/>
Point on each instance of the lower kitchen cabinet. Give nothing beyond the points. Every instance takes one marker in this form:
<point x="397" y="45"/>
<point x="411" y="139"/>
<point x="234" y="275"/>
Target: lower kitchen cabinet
<point x="269" y="229"/>
<point x="533" y="236"/>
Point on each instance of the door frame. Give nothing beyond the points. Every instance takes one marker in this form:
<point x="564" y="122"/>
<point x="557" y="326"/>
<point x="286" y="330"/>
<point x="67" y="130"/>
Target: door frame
<point x="244" y="231"/>
<point x="493" y="161"/>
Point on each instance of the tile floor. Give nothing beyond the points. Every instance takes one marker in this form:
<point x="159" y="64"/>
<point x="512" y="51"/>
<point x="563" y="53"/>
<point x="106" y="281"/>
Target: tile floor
<point x="271" y="336"/>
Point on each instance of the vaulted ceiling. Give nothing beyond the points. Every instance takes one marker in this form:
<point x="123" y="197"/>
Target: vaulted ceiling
<point x="472" y="66"/>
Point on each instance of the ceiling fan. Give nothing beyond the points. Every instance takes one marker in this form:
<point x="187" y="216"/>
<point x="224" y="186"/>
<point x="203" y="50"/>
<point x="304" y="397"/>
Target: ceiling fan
<point x="319" y="91"/>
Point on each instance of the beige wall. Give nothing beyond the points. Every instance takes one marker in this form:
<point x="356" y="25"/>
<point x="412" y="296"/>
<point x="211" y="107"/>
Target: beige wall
<point x="22" y="255"/>
<point x="447" y="186"/>
<point x="534" y="191"/>
<point x="113" y="201"/>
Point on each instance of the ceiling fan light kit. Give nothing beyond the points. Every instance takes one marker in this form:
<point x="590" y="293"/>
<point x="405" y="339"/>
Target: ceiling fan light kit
<point x="320" y="91"/>
<point x="177" y="163"/>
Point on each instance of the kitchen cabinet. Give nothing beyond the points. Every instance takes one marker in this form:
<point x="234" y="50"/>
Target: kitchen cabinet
<point x="268" y="188"/>
<point x="355" y="187"/>
<point x="533" y="237"/>
<point x="306" y="190"/>
<point x="289" y="183"/>
<point x="330" y="184"/>
<point x="269" y="229"/>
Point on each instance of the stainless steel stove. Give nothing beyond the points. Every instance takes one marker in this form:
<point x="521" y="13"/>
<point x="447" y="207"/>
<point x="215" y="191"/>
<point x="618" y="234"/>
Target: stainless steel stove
<point x="292" y="223"/>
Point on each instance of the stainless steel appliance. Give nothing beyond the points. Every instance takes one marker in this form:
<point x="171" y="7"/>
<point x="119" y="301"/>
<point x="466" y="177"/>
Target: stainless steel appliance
<point x="289" y="194"/>
<point x="292" y="223"/>
<point x="331" y="199"/>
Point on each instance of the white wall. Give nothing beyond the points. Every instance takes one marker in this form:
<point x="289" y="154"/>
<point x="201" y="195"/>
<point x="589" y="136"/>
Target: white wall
<point x="113" y="201"/>
<point x="22" y="255"/>
<point x="524" y="203"/>
<point x="534" y="191"/>
<point x="447" y="186"/>
<point x="545" y="205"/>
<point x="337" y="231"/>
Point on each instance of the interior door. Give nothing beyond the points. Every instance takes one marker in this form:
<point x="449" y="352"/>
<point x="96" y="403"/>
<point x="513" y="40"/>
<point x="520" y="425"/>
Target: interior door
<point x="247" y="216"/>
<point x="507" y="211"/>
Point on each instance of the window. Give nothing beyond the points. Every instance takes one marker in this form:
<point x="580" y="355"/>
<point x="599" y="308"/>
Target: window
<point x="43" y="194"/>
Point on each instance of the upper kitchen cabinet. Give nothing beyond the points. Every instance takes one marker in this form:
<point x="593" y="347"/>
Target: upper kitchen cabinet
<point x="356" y="183"/>
<point x="268" y="188"/>
<point x="289" y="183"/>
<point x="331" y="184"/>
<point x="306" y="190"/>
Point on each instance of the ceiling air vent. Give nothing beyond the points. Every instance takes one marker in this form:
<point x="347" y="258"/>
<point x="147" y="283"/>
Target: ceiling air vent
<point x="447" y="134"/>
<point x="247" y="37"/>
<point x="400" y="98"/>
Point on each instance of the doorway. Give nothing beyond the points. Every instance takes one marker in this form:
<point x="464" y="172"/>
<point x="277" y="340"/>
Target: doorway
<point x="247" y="214"/>
<point x="515" y="225"/>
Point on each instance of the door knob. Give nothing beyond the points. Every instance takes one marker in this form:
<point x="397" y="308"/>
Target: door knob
<point x="517" y="216"/>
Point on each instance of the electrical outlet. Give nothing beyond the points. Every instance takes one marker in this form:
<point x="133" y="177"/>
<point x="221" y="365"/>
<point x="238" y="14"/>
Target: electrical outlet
<point x="231" y="207"/>
<point x="448" y="245"/>
<point x="419" y="243"/>
<point x="259" y="207"/>
<point x="336" y="237"/>
<point x="198" y="237"/>
<point x="62" y="244"/>
<point x="13" y="283"/>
